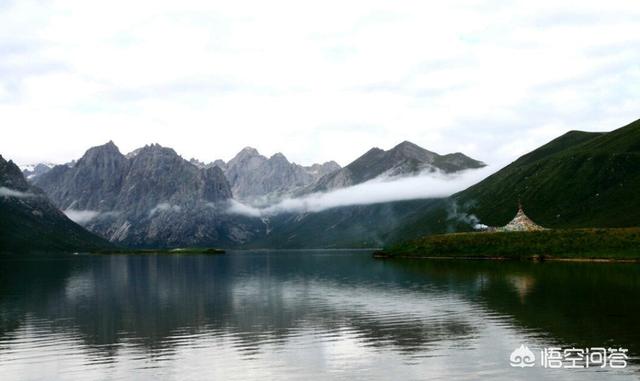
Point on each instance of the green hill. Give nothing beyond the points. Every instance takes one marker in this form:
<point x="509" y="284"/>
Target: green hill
<point x="577" y="244"/>
<point x="580" y="179"/>
<point x="30" y="222"/>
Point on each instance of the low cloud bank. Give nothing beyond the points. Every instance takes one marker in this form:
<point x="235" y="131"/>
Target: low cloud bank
<point x="81" y="216"/>
<point x="163" y="207"/>
<point x="427" y="185"/>
<point x="8" y="192"/>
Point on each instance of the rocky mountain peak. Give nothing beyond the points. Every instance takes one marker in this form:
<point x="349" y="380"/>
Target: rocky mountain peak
<point x="405" y="158"/>
<point x="246" y="160"/>
<point x="410" y="150"/>
<point x="157" y="148"/>
<point x="101" y="153"/>
<point x="153" y="197"/>
<point x="253" y="177"/>
<point x="248" y="151"/>
<point x="155" y="155"/>
<point x="373" y="151"/>
<point x="197" y="163"/>
<point x="11" y="176"/>
<point x="279" y="157"/>
<point x="31" y="171"/>
<point x="407" y="144"/>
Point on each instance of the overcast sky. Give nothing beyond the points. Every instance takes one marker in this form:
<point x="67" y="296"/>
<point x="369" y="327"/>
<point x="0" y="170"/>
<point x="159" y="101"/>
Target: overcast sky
<point x="315" y="80"/>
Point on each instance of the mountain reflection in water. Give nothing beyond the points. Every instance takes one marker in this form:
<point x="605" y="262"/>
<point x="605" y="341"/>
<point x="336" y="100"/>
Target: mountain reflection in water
<point x="304" y="315"/>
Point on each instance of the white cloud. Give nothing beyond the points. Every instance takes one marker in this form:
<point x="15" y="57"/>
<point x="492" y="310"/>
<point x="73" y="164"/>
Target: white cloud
<point x="428" y="185"/>
<point x="81" y="216"/>
<point x="163" y="207"/>
<point x="236" y="207"/>
<point x="8" y="192"/>
<point x="317" y="81"/>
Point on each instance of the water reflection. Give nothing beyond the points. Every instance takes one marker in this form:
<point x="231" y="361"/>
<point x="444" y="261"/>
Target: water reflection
<point x="302" y="315"/>
<point x="581" y="304"/>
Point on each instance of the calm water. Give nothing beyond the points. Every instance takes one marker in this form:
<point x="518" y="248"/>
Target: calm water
<point x="306" y="315"/>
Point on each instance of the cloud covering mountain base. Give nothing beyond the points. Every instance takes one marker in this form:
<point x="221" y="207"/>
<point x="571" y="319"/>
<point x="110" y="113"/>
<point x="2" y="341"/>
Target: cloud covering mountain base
<point x="379" y="190"/>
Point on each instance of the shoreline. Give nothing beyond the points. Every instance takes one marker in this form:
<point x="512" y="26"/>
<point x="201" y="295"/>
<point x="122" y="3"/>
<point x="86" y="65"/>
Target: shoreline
<point x="174" y="251"/>
<point x="503" y="258"/>
<point x="560" y="245"/>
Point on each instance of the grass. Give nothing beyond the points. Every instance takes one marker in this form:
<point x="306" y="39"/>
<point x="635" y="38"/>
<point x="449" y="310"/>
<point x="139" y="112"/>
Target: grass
<point x="571" y="244"/>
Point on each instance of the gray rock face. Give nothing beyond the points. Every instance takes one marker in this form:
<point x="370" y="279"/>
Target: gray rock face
<point x="404" y="159"/>
<point x="93" y="183"/>
<point x="257" y="179"/>
<point x="220" y="164"/>
<point x="32" y="171"/>
<point x="30" y="222"/>
<point x="151" y="197"/>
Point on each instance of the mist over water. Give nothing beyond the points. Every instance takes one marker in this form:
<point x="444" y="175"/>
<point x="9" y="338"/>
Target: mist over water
<point x="379" y="190"/>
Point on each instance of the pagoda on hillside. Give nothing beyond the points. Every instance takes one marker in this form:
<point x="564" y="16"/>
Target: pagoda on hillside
<point x="520" y="223"/>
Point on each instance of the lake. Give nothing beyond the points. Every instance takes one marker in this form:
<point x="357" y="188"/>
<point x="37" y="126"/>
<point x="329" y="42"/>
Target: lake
<point x="308" y="315"/>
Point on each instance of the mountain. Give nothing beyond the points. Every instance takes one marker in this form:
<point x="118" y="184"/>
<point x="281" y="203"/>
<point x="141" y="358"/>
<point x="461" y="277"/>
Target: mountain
<point x="93" y="183"/>
<point x="404" y="159"/>
<point x="154" y="197"/>
<point x="32" y="170"/>
<point x="30" y="222"/>
<point x="150" y="197"/>
<point x="580" y="179"/>
<point x="355" y="226"/>
<point x="257" y="179"/>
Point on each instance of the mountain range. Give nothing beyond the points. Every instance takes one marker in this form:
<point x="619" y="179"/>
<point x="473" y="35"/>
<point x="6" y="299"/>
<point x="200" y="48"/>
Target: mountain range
<point x="580" y="179"/>
<point x="37" y="169"/>
<point x="256" y="179"/>
<point x="404" y="159"/>
<point x="154" y="197"/>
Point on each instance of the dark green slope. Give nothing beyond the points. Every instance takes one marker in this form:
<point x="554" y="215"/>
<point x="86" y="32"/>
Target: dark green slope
<point x="344" y="227"/>
<point x="30" y="222"/>
<point x="581" y="179"/>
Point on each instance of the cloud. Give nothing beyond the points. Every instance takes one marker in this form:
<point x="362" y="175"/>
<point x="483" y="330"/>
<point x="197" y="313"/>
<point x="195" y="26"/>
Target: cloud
<point x="444" y="75"/>
<point x="81" y="216"/>
<point x="7" y="192"/>
<point x="84" y="216"/>
<point x="236" y="207"/>
<point x="163" y="207"/>
<point x="379" y="190"/>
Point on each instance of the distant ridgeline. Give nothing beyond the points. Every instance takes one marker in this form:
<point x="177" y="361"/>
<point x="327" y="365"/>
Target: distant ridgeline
<point x="153" y="197"/>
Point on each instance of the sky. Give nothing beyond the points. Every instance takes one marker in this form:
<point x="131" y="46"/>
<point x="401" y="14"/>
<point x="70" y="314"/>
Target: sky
<point x="317" y="81"/>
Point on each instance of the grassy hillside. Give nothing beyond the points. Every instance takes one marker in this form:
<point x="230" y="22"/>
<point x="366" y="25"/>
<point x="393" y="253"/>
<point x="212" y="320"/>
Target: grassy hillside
<point x="621" y="243"/>
<point x="344" y="227"/>
<point x="581" y="179"/>
<point x="47" y="229"/>
<point x="30" y="222"/>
